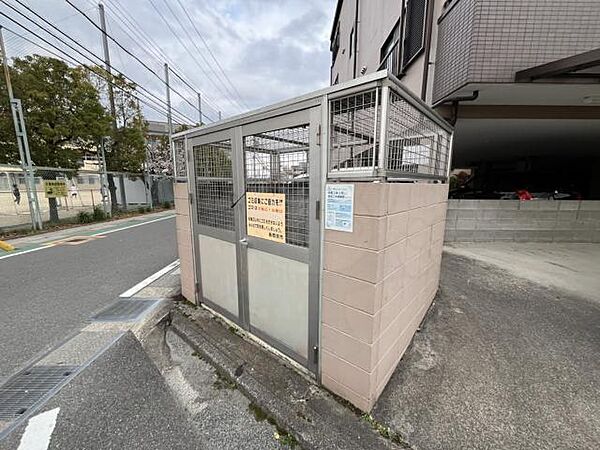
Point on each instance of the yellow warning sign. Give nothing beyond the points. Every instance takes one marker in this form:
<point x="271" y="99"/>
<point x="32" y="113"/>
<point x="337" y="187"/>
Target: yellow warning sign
<point x="265" y="215"/>
<point x="55" y="188"/>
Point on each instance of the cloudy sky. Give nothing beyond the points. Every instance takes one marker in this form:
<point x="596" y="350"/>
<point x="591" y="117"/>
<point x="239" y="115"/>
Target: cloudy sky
<point x="241" y="54"/>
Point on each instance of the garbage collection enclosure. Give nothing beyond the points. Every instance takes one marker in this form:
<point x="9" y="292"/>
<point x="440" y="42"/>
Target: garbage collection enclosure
<point x="282" y="201"/>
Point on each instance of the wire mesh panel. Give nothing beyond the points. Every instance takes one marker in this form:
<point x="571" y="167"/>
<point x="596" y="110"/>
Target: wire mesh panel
<point x="277" y="162"/>
<point x="415" y="143"/>
<point x="214" y="185"/>
<point x="354" y="131"/>
<point x="180" y="162"/>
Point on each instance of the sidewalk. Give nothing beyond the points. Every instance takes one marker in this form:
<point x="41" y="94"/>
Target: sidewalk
<point x="28" y="243"/>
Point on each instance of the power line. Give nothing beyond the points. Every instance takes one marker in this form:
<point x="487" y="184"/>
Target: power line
<point x="74" y="49"/>
<point x="133" y="26"/>
<point x="210" y="51"/>
<point x="184" y="28"/>
<point x="128" y="52"/>
<point x="191" y="53"/>
<point x="143" y="100"/>
<point x="154" y="56"/>
<point x="154" y="97"/>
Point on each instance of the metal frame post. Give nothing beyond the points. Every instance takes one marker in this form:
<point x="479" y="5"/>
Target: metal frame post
<point x="375" y="130"/>
<point x="22" y="143"/>
<point x="383" y="148"/>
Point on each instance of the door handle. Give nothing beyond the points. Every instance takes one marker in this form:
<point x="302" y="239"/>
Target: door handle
<point x="244" y="242"/>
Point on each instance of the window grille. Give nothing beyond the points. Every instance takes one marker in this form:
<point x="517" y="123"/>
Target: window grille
<point x="414" y="32"/>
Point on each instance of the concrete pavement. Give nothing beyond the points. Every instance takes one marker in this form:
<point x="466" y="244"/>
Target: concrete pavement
<point x="121" y="402"/>
<point x="50" y="293"/>
<point x="500" y="362"/>
<point x="567" y="266"/>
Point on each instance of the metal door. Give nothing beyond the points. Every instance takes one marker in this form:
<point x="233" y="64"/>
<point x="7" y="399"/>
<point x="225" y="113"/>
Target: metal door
<point x="267" y="286"/>
<point x="278" y="270"/>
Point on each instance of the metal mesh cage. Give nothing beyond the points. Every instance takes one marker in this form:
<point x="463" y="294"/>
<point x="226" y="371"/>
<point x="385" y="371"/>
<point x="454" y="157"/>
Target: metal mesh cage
<point x="415" y="144"/>
<point x="277" y="162"/>
<point x="180" y="162"/>
<point x="354" y="131"/>
<point x="214" y="184"/>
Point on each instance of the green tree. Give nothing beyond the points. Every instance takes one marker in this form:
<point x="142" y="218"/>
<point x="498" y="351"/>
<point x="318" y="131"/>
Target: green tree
<point x="127" y="150"/>
<point x="62" y="110"/>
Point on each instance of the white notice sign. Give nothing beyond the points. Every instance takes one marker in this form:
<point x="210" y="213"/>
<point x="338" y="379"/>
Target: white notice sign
<point x="339" y="207"/>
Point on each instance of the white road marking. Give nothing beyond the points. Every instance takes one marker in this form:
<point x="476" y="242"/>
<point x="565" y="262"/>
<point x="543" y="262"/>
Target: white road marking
<point x="44" y="245"/>
<point x="39" y="431"/>
<point x="142" y="284"/>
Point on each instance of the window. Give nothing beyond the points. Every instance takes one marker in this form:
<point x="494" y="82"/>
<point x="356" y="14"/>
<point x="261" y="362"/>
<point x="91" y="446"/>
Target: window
<point x="335" y="42"/>
<point x="390" y="52"/>
<point x="414" y="30"/>
<point x="351" y="43"/>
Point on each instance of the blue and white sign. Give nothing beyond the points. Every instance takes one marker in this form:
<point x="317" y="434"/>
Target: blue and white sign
<point x="339" y="207"/>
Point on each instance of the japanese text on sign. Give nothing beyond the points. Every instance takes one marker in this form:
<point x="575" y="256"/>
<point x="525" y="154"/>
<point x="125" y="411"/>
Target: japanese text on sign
<point x="265" y="215"/>
<point x="339" y="207"/>
<point x="55" y="188"/>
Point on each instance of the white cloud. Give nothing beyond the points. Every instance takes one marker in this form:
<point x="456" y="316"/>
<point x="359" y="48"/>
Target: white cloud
<point x="270" y="49"/>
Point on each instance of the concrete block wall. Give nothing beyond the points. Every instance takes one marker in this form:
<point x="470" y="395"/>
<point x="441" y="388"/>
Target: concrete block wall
<point x="184" y="241"/>
<point x="523" y="221"/>
<point x="378" y="283"/>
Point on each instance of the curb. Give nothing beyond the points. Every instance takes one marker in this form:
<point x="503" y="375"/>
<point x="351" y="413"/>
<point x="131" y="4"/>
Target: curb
<point x="310" y="414"/>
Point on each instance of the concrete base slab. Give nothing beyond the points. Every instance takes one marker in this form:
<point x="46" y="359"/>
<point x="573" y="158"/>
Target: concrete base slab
<point x="313" y="416"/>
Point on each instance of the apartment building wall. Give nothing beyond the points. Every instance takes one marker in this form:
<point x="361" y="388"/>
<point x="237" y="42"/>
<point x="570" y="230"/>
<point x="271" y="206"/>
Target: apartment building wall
<point x="376" y="21"/>
<point x="488" y="41"/>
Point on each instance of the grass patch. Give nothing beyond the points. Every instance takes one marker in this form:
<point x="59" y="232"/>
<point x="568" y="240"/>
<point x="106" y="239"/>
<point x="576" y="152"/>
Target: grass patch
<point x="282" y="436"/>
<point x="224" y="382"/>
<point x="385" y="431"/>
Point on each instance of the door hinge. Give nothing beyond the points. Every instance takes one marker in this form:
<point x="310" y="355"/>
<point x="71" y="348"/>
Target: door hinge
<point x="318" y="211"/>
<point x="316" y="354"/>
<point x="197" y="287"/>
<point x="191" y="198"/>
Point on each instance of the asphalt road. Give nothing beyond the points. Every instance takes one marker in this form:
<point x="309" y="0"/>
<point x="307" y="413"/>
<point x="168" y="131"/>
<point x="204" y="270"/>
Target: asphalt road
<point x="47" y="295"/>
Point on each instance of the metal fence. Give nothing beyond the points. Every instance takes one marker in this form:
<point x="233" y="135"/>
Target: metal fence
<point x="416" y="143"/>
<point x="64" y="194"/>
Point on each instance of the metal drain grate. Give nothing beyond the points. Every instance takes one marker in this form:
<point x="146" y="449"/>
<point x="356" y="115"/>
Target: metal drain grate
<point x="28" y="387"/>
<point x="124" y="310"/>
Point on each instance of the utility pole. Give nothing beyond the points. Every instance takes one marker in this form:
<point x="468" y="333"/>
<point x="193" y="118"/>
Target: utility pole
<point x="200" y="107"/>
<point x="22" y="143"/>
<point x="113" y="112"/>
<point x="170" y="121"/>
<point x="111" y="94"/>
<point x="219" y="115"/>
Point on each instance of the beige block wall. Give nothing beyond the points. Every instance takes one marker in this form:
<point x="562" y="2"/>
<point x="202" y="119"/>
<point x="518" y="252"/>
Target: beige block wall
<point x="184" y="241"/>
<point x="378" y="283"/>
